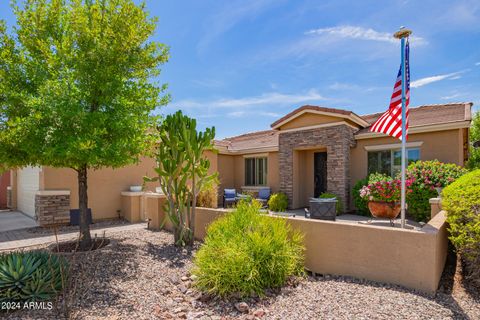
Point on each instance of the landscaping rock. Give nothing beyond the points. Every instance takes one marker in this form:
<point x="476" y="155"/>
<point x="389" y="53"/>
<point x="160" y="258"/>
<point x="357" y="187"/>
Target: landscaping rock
<point x="259" y="313"/>
<point x="242" y="307"/>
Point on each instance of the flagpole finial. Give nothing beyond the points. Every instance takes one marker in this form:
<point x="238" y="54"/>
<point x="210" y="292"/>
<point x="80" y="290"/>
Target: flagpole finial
<point x="402" y="33"/>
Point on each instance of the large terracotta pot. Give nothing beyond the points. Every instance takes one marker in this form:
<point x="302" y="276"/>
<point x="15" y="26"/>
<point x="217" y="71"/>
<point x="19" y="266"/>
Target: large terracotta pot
<point x="383" y="209"/>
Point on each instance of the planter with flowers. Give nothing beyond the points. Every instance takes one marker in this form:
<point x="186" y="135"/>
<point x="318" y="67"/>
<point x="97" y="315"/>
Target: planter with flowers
<point x="384" y="198"/>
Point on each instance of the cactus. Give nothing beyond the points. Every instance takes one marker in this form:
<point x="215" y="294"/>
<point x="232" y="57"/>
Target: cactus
<point x="31" y="276"/>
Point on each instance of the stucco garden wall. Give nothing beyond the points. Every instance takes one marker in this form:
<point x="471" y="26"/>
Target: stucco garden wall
<point x="410" y="258"/>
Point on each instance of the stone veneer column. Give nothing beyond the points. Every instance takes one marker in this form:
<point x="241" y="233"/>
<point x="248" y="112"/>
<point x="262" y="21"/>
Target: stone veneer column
<point x="52" y="207"/>
<point x="337" y="139"/>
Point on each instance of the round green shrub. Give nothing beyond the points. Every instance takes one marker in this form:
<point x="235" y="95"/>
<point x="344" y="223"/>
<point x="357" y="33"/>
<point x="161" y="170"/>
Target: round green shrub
<point x="278" y="202"/>
<point x="461" y="200"/>
<point x="426" y="176"/>
<point x="246" y="252"/>
<point x="31" y="276"/>
<point x="339" y="206"/>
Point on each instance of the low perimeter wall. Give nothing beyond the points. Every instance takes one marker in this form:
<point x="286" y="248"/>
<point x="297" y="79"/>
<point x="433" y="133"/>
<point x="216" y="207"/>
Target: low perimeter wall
<point x="413" y="259"/>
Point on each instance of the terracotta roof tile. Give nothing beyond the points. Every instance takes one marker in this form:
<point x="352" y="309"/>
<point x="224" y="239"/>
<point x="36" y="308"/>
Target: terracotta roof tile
<point x="259" y="139"/>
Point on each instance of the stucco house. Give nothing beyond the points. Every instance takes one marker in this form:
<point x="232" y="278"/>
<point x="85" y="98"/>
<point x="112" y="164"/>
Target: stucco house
<point x="307" y="152"/>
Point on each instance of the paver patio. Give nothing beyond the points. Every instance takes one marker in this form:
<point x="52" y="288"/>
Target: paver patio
<point x="18" y="239"/>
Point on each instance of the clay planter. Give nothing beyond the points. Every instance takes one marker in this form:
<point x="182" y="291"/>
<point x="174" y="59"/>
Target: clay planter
<point x="383" y="209"/>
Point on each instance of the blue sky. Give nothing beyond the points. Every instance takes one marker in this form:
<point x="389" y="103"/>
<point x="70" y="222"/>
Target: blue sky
<point x="239" y="65"/>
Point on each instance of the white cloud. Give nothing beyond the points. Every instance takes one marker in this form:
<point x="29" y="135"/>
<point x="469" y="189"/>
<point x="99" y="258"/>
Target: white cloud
<point x="427" y="80"/>
<point x="263" y="99"/>
<point x="452" y="96"/>
<point x="360" y="33"/>
<point x="477" y="64"/>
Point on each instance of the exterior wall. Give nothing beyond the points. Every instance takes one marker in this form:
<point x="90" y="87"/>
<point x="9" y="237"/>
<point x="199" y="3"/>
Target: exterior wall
<point x="413" y="259"/>
<point x="52" y="207"/>
<point x="226" y="174"/>
<point x="309" y="119"/>
<point x="446" y="146"/>
<point x="233" y="167"/>
<point x="337" y="140"/>
<point x="28" y="182"/>
<point x="104" y="185"/>
<point x="4" y="183"/>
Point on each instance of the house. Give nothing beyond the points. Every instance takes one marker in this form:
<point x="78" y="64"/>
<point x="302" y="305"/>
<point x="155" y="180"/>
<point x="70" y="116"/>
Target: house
<point x="314" y="149"/>
<point x="307" y="152"/>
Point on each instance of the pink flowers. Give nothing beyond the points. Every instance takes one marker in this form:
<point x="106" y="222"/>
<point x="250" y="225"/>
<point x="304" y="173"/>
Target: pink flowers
<point x="386" y="190"/>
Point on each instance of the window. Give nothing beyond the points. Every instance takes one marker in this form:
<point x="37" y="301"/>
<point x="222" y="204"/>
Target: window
<point x="255" y="171"/>
<point x="390" y="161"/>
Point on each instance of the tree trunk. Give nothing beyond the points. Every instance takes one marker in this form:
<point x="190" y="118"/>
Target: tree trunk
<point x="85" y="237"/>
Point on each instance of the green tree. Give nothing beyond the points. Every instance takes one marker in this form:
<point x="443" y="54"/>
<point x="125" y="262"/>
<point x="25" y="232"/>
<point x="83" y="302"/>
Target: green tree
<point x="474" y="157"/>
<point x="183" y="171"/>
<point x="77" y="86"/>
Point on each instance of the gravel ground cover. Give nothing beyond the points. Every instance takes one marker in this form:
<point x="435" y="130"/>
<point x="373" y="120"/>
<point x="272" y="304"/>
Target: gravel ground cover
<point x="141" y="275"/>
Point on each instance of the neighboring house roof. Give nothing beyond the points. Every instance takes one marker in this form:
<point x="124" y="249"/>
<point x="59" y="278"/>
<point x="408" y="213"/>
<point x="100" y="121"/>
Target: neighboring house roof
<point x="432" y="117"/>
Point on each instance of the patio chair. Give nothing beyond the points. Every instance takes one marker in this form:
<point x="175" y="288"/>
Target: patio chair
<point x="263" y="196"/>
<point x="229" y="196"/>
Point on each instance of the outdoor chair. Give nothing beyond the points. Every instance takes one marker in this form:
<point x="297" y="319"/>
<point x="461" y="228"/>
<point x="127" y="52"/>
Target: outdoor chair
<point x="229" y="197"/>
<point x="263" y="196"/>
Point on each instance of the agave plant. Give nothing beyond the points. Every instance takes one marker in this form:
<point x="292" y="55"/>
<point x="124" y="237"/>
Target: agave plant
<point x="31" y="276"/>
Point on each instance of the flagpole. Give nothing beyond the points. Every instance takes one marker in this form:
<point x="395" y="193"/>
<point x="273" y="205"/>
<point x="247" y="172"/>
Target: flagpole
<point x="402" y="34"/>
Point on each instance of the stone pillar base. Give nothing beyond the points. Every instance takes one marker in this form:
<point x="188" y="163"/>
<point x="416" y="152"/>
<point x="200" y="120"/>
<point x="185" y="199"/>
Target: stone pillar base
<point x="52" y="207"/>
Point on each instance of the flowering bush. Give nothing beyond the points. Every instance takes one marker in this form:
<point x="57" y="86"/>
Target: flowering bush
<point x="426" y="176"/>
<point x="388" y="190"/>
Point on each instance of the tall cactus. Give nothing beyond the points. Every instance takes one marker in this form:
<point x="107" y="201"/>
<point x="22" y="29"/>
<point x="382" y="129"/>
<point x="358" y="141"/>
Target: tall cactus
<point x="182" y="170"/>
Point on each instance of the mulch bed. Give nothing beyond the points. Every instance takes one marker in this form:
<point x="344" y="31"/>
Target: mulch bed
<point x="141" y="275"/>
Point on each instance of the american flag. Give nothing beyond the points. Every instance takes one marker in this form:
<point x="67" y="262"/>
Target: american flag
<point x="390" y="122"/>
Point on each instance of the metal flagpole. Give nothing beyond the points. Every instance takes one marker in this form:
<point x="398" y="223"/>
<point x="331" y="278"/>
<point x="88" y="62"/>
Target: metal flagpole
<point x="402" y="34"/>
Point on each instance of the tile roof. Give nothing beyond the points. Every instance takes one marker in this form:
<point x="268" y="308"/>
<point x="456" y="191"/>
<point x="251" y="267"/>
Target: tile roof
<point x="419" y="116"/>
<point x="253" y="140"/>
<point x="431" y="114"/>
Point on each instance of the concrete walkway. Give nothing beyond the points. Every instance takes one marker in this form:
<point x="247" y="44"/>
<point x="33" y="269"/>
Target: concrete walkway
<point x="18" y="239"/>
<point x="14" y="220"/>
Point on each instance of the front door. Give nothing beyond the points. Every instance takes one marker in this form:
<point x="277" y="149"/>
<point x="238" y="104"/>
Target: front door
<point x="320" y="173"/>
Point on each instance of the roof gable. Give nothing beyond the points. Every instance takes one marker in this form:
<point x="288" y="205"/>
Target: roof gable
<point x="307" y="116"/>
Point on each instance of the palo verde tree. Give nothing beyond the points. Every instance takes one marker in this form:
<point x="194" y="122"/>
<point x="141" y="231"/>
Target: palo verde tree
<point x="183" y="171"/>
<point x="77" y="87"/>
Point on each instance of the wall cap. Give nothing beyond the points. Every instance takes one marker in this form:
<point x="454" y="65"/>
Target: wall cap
<point x="154" y="195"/>
<point x="435" y="200"/>
<point x="52" y="193"/>
<point x="132" y="193"/>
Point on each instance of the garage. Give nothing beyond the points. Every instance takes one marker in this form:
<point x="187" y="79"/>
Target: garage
<point x="28" y="183"/>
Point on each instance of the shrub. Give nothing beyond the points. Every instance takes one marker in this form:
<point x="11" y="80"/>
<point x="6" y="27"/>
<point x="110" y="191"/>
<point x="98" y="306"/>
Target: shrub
<point x="360" y="202"/>
<point x="461" y="200"/>
<point x="278" y="202"/>
<point x="246" y="252"/>
<point x="208" y="197"/>
<point x="339" y="206"/>
<point x="31" y="276"/>
<point x="426" y="176"/>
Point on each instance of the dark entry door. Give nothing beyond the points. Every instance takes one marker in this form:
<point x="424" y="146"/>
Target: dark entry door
<point x="320" y="173"/>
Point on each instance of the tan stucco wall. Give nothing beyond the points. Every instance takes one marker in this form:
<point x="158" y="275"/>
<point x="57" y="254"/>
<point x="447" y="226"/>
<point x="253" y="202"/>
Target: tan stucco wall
<point x="309" y="119"/>
<point x="446" y="146"/>
<point x="104" y="185"/>
<point x="303" y="178"/>
<point x="236" y="165"/>
<point x="414" y="259"/>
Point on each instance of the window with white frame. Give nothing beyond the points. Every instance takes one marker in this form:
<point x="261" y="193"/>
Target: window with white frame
<point x="256" y="171"/>
<point x="390" y="161"/>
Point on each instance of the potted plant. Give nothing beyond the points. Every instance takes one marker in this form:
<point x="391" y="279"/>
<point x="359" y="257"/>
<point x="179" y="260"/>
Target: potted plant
<point x="384" y="198"/>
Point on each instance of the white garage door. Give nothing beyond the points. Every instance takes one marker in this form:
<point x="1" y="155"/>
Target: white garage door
<point x="28" y="180"/>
